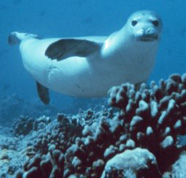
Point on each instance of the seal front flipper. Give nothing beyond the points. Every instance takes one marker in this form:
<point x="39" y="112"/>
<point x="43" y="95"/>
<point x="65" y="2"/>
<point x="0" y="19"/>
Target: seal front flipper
<point x="65" y="48"/>
<point x="43" y="93"/>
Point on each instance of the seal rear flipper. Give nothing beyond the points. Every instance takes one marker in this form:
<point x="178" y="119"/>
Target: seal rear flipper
<point x="43" y="93"/>
<point x="65" y="48"/>
<point x="17" y="37"/>
<point x="13" y="39"/>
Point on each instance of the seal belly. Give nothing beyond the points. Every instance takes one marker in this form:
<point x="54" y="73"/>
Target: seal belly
<point x="71" y="76"/>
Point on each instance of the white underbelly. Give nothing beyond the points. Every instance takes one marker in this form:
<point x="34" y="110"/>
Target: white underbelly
<point x="76" y="77"/>
<point x="84" y="80"/>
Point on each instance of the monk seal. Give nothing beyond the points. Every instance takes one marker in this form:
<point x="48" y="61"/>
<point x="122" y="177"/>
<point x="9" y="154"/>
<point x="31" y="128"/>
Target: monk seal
<point x="90" y="66"/>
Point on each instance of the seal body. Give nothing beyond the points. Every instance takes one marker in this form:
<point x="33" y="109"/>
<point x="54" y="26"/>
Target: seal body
<point x="90" y="66"/>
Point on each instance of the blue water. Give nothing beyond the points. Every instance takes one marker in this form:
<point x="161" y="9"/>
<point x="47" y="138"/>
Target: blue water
<point x="64" y="18"/>
<point x="57" y="18"/>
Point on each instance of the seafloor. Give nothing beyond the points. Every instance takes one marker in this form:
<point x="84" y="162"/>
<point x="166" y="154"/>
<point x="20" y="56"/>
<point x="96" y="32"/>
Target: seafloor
<point x="140" y="135"/>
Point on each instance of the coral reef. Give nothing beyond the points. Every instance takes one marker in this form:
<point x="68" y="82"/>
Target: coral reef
<point x="143" y="125"/>
<point x="153" y="118"/>
<point x="24" y="125"/>
<point x="11" y="158"/>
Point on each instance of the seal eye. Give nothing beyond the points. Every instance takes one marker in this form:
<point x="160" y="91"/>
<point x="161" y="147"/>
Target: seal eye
<point x="155" y="23"/>
<point x="134" y="23"/>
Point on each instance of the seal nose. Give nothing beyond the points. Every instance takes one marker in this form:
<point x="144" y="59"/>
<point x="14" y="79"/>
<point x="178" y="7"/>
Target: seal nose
<point x="150" y="33"/>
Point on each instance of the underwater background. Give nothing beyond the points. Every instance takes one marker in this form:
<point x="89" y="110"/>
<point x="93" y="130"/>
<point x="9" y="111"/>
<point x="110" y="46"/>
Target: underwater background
<point x="71" y="18"/>
<point x="64" y="18"/>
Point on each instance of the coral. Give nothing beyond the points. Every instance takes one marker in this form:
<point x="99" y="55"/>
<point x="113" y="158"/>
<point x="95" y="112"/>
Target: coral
<point x="50" y="165"/>
<point x="10" y="162"/>
<point x="153" y="118"/>
<point x="149" y="118"/>
<point x="65" y="135"/>
<point x="24" y="125"/>
<point x="60" y="133"/>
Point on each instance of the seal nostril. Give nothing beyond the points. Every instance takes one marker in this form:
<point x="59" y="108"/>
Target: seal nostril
<point x="149" y="31"/>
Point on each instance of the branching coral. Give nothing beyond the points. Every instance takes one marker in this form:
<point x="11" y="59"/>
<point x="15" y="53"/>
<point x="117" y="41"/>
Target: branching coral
<point x="153" y="118"/>
<point x="150" y="118"/>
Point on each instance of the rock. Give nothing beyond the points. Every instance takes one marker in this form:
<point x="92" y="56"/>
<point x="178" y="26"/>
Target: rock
<point x="132" y="164"/>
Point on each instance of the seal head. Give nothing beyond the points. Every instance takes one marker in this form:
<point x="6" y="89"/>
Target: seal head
<point x="145" y="26"/>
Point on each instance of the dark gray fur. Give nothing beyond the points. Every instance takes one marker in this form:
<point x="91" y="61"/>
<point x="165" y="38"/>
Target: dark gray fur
<point x="65" y="48"/>
<point x="43" y="93"/>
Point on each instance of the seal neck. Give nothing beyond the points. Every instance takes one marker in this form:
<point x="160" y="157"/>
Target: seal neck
<point x="123" y="43"/>
<point x="116" y="42"/>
